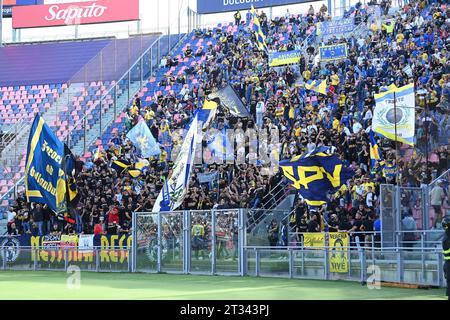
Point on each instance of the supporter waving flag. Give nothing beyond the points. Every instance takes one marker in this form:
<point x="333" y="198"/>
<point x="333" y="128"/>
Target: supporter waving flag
<point x="375" y="153"/>
<point x="317" y="173"/>
<point x="317" y="86"/>
<point x="260" y="37"/>
<point x="44" y="175"/>
<point x="143" y="139"/>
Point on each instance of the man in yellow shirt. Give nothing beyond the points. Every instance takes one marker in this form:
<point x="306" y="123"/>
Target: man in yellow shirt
<point x="335" y="79"/>
<point x="149" y="116"/>
<point x="306" y="75"/>
<point x="389" y="27"/>
<point x="134" y="111"/>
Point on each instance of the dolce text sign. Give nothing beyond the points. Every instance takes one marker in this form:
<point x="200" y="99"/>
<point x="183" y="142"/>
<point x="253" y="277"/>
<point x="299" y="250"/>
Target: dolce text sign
<point x="75" y="13"/>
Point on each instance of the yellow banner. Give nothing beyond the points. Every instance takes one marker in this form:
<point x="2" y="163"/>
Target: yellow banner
<point x="338" y="256"/>
<point x="314" y="239"/>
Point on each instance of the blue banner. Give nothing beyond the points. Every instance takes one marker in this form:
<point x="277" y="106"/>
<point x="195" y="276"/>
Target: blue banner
<point x="333" y="52"/>
<point x="216" y="6"/>
<point x="282" y="58"/>
<point x="44" y="177"/>
<point x="221" y="146"/>
<point x="143" y="139"/>
<point x="315" y="174"/>
<point x="335" y="27"/>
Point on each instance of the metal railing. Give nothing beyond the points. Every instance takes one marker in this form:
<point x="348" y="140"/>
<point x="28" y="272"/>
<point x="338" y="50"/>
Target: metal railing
<point x="418" y="240"/>
<point x="223" y="248"/>
<point x="399" y="265"/>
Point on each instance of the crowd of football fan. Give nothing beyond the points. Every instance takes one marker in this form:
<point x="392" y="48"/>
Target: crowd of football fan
<point x="416" y="36"/>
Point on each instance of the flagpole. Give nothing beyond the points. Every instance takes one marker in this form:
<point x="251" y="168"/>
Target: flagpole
<point x="218" y="186"/>
<point x="397" y="180"/>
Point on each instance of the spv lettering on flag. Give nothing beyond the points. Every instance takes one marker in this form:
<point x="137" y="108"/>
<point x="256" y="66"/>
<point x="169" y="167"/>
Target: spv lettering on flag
<point x="316" y="174"/>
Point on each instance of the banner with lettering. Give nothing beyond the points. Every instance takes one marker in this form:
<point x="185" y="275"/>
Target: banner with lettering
<point x="75" y="13"/>
<point x="282" y="58"/>
<point x="44" y="176"/>
<point x="312" y="240"/>
<point x="335" y="27"/>
<point x="69" y="241"/>
<point x="52" y="251"/>
<point x="86" y="243"/>
<point x="333" y="52"/>
<point x="338" y="254"/>
<point x="216" y="6"/>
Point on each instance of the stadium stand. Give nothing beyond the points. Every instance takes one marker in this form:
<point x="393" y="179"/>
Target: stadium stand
<point x="416" y="35"/>
<point x="73" y="70"/>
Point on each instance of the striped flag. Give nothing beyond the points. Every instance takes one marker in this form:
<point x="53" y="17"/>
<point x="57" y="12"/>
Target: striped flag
<point x="260" y="37"/>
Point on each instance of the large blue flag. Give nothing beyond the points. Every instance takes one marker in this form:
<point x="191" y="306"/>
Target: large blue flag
<point x="45" y="180"/>
<point x="316" y="174"/>
<point x="143" y="139"/>
<point x="220" y="146"/>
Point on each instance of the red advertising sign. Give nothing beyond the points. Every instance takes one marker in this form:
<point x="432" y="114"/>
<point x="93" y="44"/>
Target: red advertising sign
<point x="75" y="13"/>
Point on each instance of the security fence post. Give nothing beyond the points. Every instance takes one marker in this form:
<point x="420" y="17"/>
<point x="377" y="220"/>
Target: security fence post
<point x="241" y="243"/>
<point x="422" y="257"/>
<point x="349" y="257"/>
<point x="213" y="242"/>
<point x="158" y="264"/>
<point x="66" y="259"/>
<point x="303" y="260"/>
<point x="440" y="268"/>
<point x="187" y="242"/>
<point x="35" y="259"/>
<point x="130" y="263"/>
<point x="97" y="259"/>
<point x="326" y="257"/>
<point x="291" y="263"/>
<point x="134" y="241"/>
<point x="362" y="258"/>
<point x="4" y="258"/>
<point x="399" y="265"/>
<point x="256" y="262"/>
<point x="426" y="207"/>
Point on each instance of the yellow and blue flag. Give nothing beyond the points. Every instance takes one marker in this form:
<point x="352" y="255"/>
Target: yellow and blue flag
<point x="260" y="37"/>
<point x="143" y="139"/>
<point x="139" y="168"/>
<point x="317" y="86"/>
<point x="375" y="153"/>
<point x="316" y="174"/>
<point x="45" y="180"/>
<point x="221" y="147"/>
<point x="120" y="166"/>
